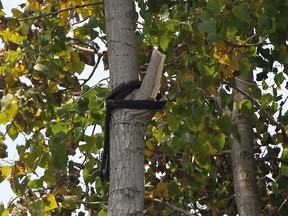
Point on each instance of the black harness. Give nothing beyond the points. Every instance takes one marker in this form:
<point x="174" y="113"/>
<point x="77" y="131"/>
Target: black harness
<point x="115" y="100"/>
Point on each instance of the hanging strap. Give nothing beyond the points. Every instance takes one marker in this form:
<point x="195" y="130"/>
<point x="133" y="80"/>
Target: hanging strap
<point x="115" y="100"/>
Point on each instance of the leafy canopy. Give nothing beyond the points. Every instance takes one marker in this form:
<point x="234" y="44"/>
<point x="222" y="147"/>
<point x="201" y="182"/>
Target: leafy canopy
<point x="208" y="45"/>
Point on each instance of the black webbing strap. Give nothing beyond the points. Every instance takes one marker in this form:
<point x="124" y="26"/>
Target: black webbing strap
<point x="115" y="100"/>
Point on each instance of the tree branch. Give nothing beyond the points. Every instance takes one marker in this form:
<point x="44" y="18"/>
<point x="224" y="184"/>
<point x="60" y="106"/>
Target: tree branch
<point x="258" y="106"/>
<point x="169" y="205"/>
<point x="269" y="158"/>
<point x="55" y="13"/>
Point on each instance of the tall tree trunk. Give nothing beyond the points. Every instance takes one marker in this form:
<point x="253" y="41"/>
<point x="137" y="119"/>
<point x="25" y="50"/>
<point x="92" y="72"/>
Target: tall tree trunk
<point x="126" y="190"/>
<point x="244" y="168"/>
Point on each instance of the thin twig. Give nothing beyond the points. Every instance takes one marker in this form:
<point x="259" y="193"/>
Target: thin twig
<point x="173" y="207"/>
<point x="242" y="45"/>
<point x="55" y="13"/>
<point x="279" y="209"/>
<point x="270" y="158"/>
<point x="86" y="92"/>
<point x="92" y="203"/>
<point x="93" y="71"/>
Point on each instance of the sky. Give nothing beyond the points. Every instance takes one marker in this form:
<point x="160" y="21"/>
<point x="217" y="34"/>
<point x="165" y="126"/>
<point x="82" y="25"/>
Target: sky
<point x="5" y="191"/>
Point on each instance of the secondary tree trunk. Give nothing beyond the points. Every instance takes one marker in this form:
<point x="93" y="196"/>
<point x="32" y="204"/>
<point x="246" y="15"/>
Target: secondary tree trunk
<point x="244" y="169"/>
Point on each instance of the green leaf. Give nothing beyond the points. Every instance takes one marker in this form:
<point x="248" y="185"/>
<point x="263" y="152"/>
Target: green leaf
<point x="38" y="207"/>
<point x="70" y="202"/>
<point x="173" y="123"/>
<point x="41" y="67"/>
<point x="279" y="79"/>
<point x="90" y="143"/>
<point x="164" y="11"/>
<point x="37" y="183"/>
<point x="57" y="127"/>
<point x="241" y="12"/>
<point x="164" y="42"/>
<point x="185" y="162"/>
<point x="58" y="151"/>
<point x="12" y="131"/>
<point x="246" y="107"/>
<point x="244" y="66"/>
<point x="219" y="142"/>
<point x="266" y="99"/>
<point x="102" y="213"/>
<point x="208" y="25"/>
<point x="214" y="6"/>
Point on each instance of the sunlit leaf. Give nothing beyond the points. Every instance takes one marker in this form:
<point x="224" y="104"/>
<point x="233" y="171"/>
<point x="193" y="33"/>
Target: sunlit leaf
<point x="102" y="213"/>
<point x="164" y="42"/>
<point x="57" y="127"/>
<point x="50" y="202"/>
<point x="5" y="171"/>
<point x="246" y="107"/>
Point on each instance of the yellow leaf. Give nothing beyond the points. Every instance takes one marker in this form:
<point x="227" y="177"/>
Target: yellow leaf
<point x="148" y="153"/>
<point x="225" y="60"/>
<point x="5" y="171"/>
<point x="34" y="5"/>
<point x="62" y="190"/>
<point x="19" y="168"/>
<point x="286" y="129"/>
<point x="150" y="195"/>
<point x="5" y="213"/>
<point x="150" y="145"/>
<point x="48" y="213"/>
<point x="187" y="77"/>
<point x="64" y="15"/>
<point x="20" y="68"/>
<point x="50" y="202"/>
<point x="212" y="88"/>
<point x="161" y="190"/>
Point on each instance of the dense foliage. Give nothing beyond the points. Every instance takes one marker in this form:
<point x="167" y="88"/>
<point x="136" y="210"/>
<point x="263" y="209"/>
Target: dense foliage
<point x="209" y="45"/>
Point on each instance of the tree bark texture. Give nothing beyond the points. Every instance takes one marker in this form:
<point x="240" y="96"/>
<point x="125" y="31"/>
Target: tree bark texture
<point x="120" y="31"/>
<point x="127" y="127"/>
<point x="244" y="168"/>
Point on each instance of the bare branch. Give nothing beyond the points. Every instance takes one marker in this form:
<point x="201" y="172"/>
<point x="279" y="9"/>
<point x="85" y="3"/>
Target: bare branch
<point x="279" y="209"/>
<point x="169" y="205"/>
<point x="93" y="71"/>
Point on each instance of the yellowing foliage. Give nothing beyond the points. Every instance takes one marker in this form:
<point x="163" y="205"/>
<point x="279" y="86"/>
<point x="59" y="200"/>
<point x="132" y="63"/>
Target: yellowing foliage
<point x="161" y="190"/>
<point x="50" y="202"/>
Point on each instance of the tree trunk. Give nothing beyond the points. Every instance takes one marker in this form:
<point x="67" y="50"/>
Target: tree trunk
<point x="126" y="189"/>
<point x="128" y="126"/>
<point x="244" y="168"/>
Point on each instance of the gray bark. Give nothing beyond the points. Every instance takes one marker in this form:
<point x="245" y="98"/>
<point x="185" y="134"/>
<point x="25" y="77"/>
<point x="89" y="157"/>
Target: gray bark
<point x="127" y="127"/>
<point x="244" y="168"/>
